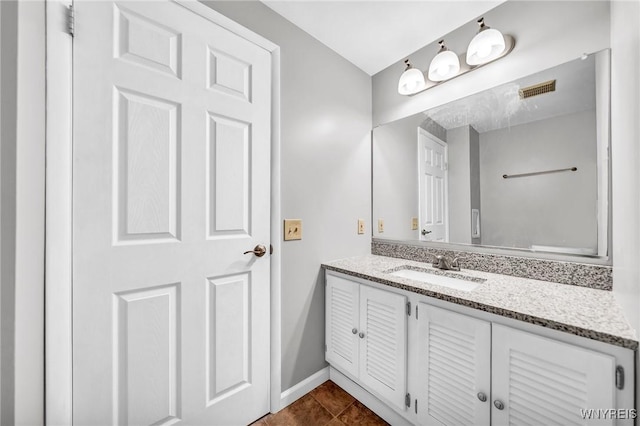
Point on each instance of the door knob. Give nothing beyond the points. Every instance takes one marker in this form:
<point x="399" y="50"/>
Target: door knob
<point x="482" y="397"/>
<point x="499" y="404"/>
<point x="354" y="330"/>
<point x="361" y="335"/>
<point x="258" y="250"/>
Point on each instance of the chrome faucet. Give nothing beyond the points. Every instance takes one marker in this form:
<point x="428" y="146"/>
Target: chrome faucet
<point x="445" y="263"/>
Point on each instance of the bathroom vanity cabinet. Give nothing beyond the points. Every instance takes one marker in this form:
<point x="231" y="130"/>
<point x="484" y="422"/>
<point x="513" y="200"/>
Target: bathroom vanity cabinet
<point x="367" y="337"/>
<point x="438" y="363"/>
<point x="472" y="371"/>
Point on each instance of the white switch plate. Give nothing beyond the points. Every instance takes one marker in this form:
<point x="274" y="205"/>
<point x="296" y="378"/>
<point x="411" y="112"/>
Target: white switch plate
<point x="414" y="223"/>
<point x="360" y="226"/>
<point x="380" y="226"/>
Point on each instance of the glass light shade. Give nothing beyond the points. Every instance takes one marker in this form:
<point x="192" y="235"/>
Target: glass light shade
<point x="411" y="81"/>
<point x="486" y="46"/>
<point x="444" y="66"/>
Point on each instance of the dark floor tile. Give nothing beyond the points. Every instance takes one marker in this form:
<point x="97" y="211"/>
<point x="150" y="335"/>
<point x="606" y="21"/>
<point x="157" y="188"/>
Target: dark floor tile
<point x="304" y="412"/>
<point x="335" y="422"/>
<point x="260" y="422"/>
<point x="358" y="414"/>
<point x="263" y="421"/>
<point x="332" y="397"/>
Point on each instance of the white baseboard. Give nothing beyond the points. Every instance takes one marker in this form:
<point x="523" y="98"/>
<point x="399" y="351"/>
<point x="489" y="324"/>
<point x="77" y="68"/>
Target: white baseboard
<point x="299" y="390"/>
<point x="369" y="400"/>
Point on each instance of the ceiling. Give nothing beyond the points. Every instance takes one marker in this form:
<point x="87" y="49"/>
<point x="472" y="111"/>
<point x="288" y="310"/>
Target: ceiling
<point x="375" y="34"/>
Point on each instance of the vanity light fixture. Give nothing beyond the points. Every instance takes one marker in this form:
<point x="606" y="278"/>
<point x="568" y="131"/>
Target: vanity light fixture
<point x="411" y="81"/>
<point x="486" y="46"/>
<point x="445" y="65"/>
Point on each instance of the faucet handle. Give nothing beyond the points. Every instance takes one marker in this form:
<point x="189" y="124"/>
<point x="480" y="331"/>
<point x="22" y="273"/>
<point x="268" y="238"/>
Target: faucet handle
<point x="455" y="262"/>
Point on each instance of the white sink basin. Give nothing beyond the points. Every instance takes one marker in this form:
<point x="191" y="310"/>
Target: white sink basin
<point x="426" y="277"/>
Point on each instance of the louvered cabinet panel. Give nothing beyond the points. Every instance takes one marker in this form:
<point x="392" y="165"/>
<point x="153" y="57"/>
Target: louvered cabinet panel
<point x="546" y="382"/>
<point x="454" y="367"/>
<point x="383" y="354"/>
<point x="341" y="306"/>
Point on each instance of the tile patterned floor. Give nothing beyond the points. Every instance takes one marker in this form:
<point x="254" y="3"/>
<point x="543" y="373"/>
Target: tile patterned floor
<point x="326" y="405"/>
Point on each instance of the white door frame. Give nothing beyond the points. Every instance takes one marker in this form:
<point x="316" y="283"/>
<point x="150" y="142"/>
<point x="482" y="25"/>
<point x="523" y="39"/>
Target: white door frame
<point x="58" y="265"/>
<point x="426" y="134"/>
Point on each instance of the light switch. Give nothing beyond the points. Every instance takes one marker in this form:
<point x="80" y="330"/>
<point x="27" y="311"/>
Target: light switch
<point x="414" y="223"/>
<point x="292" y="229"/>
<point x="360" y="226"/>
<point x="380" y="226"/>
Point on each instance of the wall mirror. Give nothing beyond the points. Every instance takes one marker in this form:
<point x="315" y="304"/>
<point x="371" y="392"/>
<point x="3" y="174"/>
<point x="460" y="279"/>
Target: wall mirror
<point x="522" y="166"/>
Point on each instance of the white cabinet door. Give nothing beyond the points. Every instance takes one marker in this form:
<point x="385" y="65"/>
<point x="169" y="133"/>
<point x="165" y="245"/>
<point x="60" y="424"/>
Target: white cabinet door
<point x="454" y="368"/>
<point x="543" y="381"/>
<point x="342" y="319"/>
<point x="383" y="343"/>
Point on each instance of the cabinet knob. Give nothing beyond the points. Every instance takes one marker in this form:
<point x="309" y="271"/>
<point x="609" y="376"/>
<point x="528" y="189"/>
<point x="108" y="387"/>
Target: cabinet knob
<point x="482" y="397"/>
<point x="354" y="330"/>
<point x="499" y="405"/>
<point x="361" y="335"/>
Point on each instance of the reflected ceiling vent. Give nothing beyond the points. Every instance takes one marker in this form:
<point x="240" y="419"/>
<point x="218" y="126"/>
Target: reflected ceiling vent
<point x="537" y="89"/>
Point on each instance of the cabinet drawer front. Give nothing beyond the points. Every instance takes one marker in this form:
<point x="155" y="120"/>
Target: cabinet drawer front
<point x="545" y="381"/>
<point x="454" y="368"/>
<point x="383" y="350"/>
<point x="341" y="306"/>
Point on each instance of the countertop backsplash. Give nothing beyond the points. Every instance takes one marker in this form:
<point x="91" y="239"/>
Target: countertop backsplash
<point x="578" y="274"/>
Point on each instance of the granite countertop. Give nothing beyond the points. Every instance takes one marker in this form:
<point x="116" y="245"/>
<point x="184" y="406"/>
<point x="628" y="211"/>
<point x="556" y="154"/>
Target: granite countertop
<point x="582" y="311"/>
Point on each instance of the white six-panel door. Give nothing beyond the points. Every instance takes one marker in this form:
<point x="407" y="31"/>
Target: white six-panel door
<point x="453" y="368"/>
<point x="432" y="169"/>
<point x="171" y="186"/>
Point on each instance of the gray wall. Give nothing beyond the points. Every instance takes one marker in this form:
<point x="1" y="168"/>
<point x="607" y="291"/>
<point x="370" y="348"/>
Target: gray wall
<point x="464" y="182"/>
<point x="325" y="136"/>
<point x="8" y="119"/>
<point x="555" y="209"/>
<point x="22" y="168"/>
<point x="547" y="33"/>
<point x="395" y="175"/>
<point x="395" y="178"/>
<point x="474" y="175"/>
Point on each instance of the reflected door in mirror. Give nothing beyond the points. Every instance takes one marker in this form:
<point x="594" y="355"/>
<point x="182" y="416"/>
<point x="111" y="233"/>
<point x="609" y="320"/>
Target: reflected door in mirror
<point x="433" y="184"/>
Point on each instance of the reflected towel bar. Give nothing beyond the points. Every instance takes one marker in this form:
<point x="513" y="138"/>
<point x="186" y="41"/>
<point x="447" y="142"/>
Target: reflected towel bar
<point x="569" y="169"/>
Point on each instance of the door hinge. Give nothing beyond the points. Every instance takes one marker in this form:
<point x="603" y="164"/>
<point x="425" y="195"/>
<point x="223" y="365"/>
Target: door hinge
<point x="407" y="400"/>
<point x="409" y="308"/>
<point x="620" y="377"/>
<point x="71" y="21"/>
<point x="416" y="311"/>
<point x="415" y="405"/>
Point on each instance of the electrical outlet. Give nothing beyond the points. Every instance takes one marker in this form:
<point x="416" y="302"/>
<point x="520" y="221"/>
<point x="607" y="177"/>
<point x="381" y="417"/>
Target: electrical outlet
<point x="414" y="223"/>
<point x="380" y="226"/>
<point x="292" y="229"/>
<point x="360" y="226"/>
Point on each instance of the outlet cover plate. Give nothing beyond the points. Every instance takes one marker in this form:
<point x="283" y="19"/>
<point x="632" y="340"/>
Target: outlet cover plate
<point x="360" y="226"/>
<point x="292" y="229"/>
<point x="380" y="226"/>
<point x="414" y="223"/>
